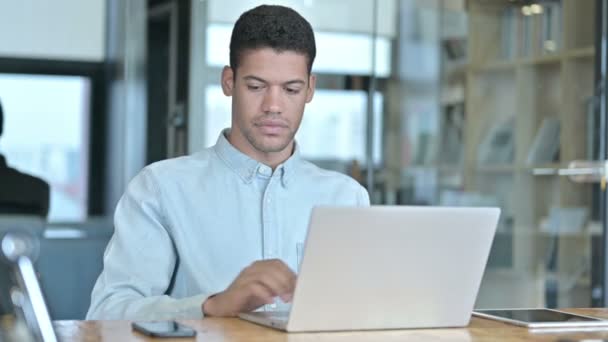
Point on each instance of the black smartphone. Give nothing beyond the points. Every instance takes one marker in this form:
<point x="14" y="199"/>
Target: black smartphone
<point x="163" y="329"/>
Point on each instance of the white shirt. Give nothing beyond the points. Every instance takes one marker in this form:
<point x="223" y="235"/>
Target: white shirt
<point x="186" y="227"/>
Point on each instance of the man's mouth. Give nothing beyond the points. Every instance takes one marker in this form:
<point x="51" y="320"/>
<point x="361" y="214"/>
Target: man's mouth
<point x="271" y="127"/>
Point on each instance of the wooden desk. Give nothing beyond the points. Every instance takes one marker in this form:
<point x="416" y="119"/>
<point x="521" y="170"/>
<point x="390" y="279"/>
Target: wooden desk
<point x="232" y="329"/>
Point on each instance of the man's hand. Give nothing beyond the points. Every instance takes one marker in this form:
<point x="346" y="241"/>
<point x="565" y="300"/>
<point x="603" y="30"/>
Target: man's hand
<point x="255" y="286"/>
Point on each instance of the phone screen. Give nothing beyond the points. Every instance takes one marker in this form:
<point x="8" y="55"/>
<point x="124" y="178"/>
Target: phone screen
<point x="164" y="329"/>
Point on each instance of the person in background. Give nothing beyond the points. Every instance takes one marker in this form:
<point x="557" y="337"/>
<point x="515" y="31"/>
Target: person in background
<point x="216" y="233"/>
<point x="20" y="193"/>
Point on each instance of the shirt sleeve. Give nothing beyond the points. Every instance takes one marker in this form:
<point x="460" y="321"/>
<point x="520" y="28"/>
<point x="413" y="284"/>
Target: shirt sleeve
<point x="139" y="262"/>
<point x="362" y="197"/>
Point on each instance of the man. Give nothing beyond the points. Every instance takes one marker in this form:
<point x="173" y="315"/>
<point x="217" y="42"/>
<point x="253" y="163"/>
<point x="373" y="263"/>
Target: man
<point x="215" y="233"/>
<point x="21" y="194"/>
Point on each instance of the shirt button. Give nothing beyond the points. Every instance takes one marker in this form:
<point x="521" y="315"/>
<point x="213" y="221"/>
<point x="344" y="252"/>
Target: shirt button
<point x="265" y="170"/>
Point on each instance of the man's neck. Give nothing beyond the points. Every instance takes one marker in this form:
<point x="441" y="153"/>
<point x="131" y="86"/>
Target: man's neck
<point x="271" y="159"/>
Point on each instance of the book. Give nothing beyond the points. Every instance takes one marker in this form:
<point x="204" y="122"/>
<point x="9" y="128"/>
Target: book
<point x="452" y="137"/>
<point x="551" y="27"/>
<point x="426" y="146"/>
<point x="455" y="49"/>
<point x="526" y="25"/>
<point x="497" y="147"/>
<point x="509" y="30"/>
<point x="592" y="123"/>
<point x="565" y="220"/>
<point x="545" y="147"/>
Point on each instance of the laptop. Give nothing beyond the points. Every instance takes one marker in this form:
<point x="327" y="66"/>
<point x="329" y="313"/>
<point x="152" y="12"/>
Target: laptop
<point x="22" y="303"/>
<point x="388" y="267"/>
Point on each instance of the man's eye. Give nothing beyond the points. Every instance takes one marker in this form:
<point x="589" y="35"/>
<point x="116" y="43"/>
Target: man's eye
<point x="254" y="87"/>
<point x="292" y="91"/>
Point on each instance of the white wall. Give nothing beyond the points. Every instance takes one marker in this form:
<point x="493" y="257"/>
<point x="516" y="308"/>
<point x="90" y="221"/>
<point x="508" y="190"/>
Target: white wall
<point x="53" y="29"/>
<point x="354" y="16"/>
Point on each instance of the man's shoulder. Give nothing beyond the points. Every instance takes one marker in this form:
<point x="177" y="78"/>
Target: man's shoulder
<point x="25" y="181"/>
<point x="326" y="177"/>
<point x="190" y="164"/>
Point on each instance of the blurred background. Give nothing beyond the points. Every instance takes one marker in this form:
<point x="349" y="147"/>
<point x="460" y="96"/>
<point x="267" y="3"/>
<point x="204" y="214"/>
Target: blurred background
<point x="424" y="102"/>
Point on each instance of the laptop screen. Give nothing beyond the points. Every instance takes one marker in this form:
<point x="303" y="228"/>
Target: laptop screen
<point x="6" y="307"/>
<point x="21" y="299"/>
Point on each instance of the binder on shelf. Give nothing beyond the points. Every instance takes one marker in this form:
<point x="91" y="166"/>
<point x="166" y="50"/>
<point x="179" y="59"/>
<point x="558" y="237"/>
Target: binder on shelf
<point x="426" y="147"/>
<point x="545" y="147"/>
<point x="497" y="147"/>
<point x="509" y="31"/>
<point x="452" y="137"/>
<point x="526" y="23"/>
<point x="565" y="220"/>
<point x="551" y="27"/>
<point x="592" y="121"/>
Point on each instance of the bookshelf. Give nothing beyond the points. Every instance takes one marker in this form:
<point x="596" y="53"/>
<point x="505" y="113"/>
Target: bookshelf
<point x="527" y="70"/>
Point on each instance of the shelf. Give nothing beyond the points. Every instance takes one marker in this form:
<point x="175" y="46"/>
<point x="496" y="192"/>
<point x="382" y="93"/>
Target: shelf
<point x="538" y="60"/>
<point x="590" y="228"/>
<point x="511" y="73"/>
<point x="450" y="168"/>
<point x="504" y="65"/>
<point x="587" y="52"/>
<point x="555" y="58"/>
<point x="543" y="169"/>
<point x="420" y="166"/>
<point x="583" y="280"/>
<point x="442" y="167"/>
<point x="546" y="165"/>
<point x="455" y="68"/>
<point x="496" y="168"/>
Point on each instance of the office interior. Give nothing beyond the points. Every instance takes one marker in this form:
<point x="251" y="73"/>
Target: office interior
<point x="424" y="102"/>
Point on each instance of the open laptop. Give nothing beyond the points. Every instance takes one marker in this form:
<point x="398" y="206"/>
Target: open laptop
<point x="388" y="267"/>
<point x="28" y="319"/>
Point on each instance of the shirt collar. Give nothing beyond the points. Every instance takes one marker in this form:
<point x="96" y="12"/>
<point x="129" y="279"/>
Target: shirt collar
<point x="247" y="167"/>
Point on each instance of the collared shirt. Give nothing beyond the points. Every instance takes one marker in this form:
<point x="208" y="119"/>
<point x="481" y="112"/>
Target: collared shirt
<point x="186" y="227"/>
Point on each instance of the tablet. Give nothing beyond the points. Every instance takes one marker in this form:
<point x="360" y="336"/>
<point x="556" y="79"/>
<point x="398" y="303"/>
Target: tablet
<point x="541" y="318"/>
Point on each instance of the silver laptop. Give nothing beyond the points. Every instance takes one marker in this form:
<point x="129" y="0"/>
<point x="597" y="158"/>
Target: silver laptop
<point x="29" y="319"/>
<point x="388" y="267"/>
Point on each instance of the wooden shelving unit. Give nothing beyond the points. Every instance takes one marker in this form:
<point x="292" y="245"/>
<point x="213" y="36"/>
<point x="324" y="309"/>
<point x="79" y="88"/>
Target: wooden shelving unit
<point x="528" y="89"/>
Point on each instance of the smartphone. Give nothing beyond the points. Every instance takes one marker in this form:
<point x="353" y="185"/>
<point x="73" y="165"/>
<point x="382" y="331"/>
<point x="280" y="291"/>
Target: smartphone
<point x="163" y="329"/>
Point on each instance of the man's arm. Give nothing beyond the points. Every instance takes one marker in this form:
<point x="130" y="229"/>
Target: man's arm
<point x="362" y="197"/>
<point x="139" y="262"/>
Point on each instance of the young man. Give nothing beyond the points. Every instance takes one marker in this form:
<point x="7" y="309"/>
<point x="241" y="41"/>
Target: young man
<point x="215" y="233"/>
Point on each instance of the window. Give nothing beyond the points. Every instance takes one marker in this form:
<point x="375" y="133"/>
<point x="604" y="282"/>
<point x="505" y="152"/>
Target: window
<point x="46" y="134"/>
<point x="334" y="124"/>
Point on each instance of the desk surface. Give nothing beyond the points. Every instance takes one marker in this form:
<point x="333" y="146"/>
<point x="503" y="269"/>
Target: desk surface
<point x="232" y="329"/>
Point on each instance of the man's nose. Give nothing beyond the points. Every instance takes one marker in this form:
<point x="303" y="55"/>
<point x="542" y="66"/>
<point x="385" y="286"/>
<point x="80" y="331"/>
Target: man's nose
<point x="273" y="101"/>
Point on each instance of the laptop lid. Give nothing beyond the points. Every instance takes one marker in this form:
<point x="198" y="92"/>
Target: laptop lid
<point x="21" y="289"/>
<point x="391" y="267"/>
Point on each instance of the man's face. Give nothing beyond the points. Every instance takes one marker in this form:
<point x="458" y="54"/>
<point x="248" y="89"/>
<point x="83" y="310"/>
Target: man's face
<point x="269" y="92"/>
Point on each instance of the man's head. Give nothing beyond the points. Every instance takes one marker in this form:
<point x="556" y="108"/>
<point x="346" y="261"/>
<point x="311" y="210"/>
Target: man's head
<point x="277" y="27"/>
<point x="271" y="55"/>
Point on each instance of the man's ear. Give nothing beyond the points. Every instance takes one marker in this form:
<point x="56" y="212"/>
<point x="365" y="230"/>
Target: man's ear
<point x="312" y="82"/>
<point x="227" y="80"/>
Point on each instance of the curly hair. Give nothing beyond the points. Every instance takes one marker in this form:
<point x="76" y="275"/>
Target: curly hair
<point x="277" y="27"/>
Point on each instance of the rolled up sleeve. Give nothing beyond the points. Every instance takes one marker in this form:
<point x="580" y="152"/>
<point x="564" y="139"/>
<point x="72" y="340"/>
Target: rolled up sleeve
<point x="139" y="262"/>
